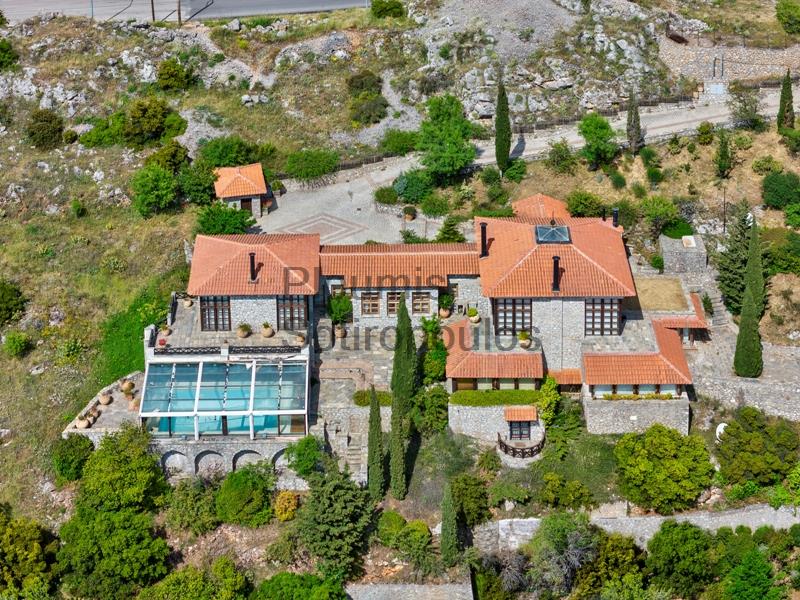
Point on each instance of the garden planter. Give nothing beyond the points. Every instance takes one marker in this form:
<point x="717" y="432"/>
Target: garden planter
<point x="133" y="404"/>
<point x="127" y="387"/>
<point x="300" y="338"/>
<point x="105" y="399"/>
<point x="162" y="342"/>
<point x="339" y="331"/>
<point x="82" y="423"/>
<point x="444" y="312"/>
<point x="409" y="217"/>
<point x="475" y="319"/>
<point x="165" y="331"/>
<point x="525" y="344"/>
<point x="187" y="302"/>
<point x="267" y="332"/>
<point x="242" y="333"/>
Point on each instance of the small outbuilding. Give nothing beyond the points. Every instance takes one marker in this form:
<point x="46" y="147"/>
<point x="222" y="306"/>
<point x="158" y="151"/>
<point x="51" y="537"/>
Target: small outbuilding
<point x="686" y="255"/>
<point x="245" y="188"/>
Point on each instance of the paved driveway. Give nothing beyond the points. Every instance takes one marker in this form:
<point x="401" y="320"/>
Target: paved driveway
<point x="344" y="212"/>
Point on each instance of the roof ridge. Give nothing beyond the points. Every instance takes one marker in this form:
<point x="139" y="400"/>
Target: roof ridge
<point x="603" y="269"/>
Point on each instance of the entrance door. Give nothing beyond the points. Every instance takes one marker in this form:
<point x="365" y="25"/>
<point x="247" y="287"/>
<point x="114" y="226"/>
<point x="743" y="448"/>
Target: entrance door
<point x="292" y="313"/>
<point x="247" y="204"/>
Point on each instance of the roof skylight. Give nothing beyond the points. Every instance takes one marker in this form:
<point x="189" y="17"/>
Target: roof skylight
<point x="552" y="234"/>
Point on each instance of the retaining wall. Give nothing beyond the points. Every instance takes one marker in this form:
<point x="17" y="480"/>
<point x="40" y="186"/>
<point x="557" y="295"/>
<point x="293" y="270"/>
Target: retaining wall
<point x="635" y="416"/>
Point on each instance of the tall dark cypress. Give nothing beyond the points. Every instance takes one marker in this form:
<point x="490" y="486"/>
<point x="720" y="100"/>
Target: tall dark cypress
<point x="634" y="127"/>
<point x="375" y="475"/>
<point x="732" y="261"/>
<point x="747" y="361"/>
<point x="404" y="380"/>
<point x="786" y="106"/>
<point x="448" y="540"/>
<point x="502" y="130"/>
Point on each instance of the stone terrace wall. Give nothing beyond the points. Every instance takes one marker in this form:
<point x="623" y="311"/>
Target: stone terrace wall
<point x="480" y="422"/>
<point x="635" y="416"/>
<point x="391" y="591"/>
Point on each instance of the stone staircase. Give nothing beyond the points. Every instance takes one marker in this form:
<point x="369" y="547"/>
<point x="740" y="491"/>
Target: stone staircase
<point x="353" y="456"/>
<point x="720" y="317"/>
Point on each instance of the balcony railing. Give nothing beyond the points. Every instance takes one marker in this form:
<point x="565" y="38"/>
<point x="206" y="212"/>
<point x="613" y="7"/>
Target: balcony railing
<point x="519" y="451"/>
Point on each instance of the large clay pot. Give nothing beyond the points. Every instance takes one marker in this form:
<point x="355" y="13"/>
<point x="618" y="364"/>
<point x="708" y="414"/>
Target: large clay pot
<point x="444" y="312"/>
<point x="267" y="332"/>
<point x="105" y="398"/>
<point x="242" y="333"/>
<point x="127" y="386"/>
<point x="525" y="343"/>
<point x="82" y="423"/>
<point x="187" y="302"/>
<point x="339" y="331"/>
<point x="475" y="319"/>
<point x="300" y="338"/>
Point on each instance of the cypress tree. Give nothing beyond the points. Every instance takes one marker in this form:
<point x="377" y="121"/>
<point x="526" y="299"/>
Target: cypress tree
<point x="634" y="128"/>
<point x="786" y="106"/>
<point x="375" y="478"/>
<point x="723" y="159"/>
<point x="754" y="272"/>
<point x="502" y="130"/>
<point x="448" y="540"/>
<point x="450" y="232"/>
<point x="404" y="378"/>
<point x="733" y="260"/>
<point x="747" y="361"/>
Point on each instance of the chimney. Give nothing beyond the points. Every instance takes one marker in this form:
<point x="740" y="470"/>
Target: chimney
<point x="484" y="242"/>
<point x="604" y="213"/>
<point x="253" y="271"/>
<point x="615" y="216"/>
<point x="556" y="274"/>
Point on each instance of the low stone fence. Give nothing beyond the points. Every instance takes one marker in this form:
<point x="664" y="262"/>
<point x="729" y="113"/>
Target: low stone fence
<point x="401" y="591"/>
<point x="510" y="534"/>
<point x="775" y="398"/>
<point x="635" y="416"/>
<point x="480" y="422"/>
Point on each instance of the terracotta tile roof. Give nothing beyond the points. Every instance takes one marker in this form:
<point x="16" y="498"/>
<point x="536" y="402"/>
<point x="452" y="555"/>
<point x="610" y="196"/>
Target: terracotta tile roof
<point x="462" y="362"/>
<point x="398" y="265"/>
<point x="567" y="376"/>
<point x="287" y="264"/>
<point x="593" y="264"/>
<point x="247" y="180"/>
<point x="667" y="366"/>
<point x="695" y="321"/>
<point x="541" y="207"/>
<point x="521" y="413"/>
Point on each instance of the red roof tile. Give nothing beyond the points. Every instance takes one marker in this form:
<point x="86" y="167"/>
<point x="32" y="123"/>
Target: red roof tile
<point x="521" y="413"/>
<point x="246" y="180"/>
<point x="398" y="265"/>
<point x="287" y="264"/>
<point x="463" y="362"/>
<point x="695" y="321"/>
<point x="566" y="376"/>
<point x="541" y="207"/>
<point x="667" y="366"/>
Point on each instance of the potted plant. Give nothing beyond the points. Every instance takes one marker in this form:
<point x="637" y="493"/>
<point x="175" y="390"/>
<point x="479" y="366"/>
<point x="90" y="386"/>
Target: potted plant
<point x="410" y="213"/>
<point x="300" y="338"/>
<point x="105" y="398"/>
<point x="524" y="339"/>
<point x="266" y="330"/>
<point x="339" y="309"/>
<point x="165" y="330"/>
<point x="187" y="302"/>
<point x="473" y="315"/>
<point x="127" y="387"/>
<point x="243" y="330"/>
<point x="445" y="305"/>
<point x="82" y="422"/>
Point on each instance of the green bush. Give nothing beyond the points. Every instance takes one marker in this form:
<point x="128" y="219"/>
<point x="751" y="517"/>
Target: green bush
<point x="387" y="8"/>
<point x="560" y="158"/>
<point x="654" y="176"/>
<point x="413" y="186"/>
<point x="196" y="182"/>
<point x="444" y="138"/>
<point x="778" y="190"/>
<point x="434" y="363"/>
<point x="677" y="229"/>
<point x="149" y="120"/>
<point x="435" y="205"/>
<point x="172" y="157"/>
<point x="190" y="583"/>
<point x="244" y="496"/>
<point x="489" y="462"/>
<point x="430" y="410"/>
<point x="788" y="14"/>
<point x="8" y="56"/>
<point x="791" y="139"/>
<point x="617" y="179"/>
<point x="17" y="344"/>
<point x="191" y="507"/>
<point x="174" y="76"/>
<point x="45" y="129"/>
<point x="232" y="151"/>
<point x="293" y="586"/>
<point x="77" y="208"/>
<point x="600" y="147"/>
<point x="639" y="190"/>
<point x="500" y="491"/>
<point x="494" y="397"/>
<point x="705" y="133"/>
<point x="497" y="194"/>
<point x="27" y="556"/>
<point x="471" y="499"/>
<point x="742" y="491"/>
<point x="390" y="524"/>
<point x="218" y="218"/>
<point x="792" y="213"/>
<point x="657" y="262"/>
<point x="413" y="542"/>
<point x="764" y="165"/>
<point x="364" y="81"/>
<point x="398" y="143"/>
<point x="679" y="558"/>
<point x="743" y="141"/>
<point x="361" y="398"/>
<point x="559" y="493"/>
<point x="105" y="132"/>
<point x="649" y="157"/>
<point x="490" y="176"/>
<point x="70" y="136"/>
<point x="628" y="213"/>
<point x="659" y="212"/>
<point x="311" y="164"/>
<point x="516" y="171"/>
<point x="69" y="455"/>
<point x="503" y="211"/>
<point x="154" y="190"/>
<point x="305" y="455"/>
<point x="584" y="204"/>
<point x="368" y="108"/>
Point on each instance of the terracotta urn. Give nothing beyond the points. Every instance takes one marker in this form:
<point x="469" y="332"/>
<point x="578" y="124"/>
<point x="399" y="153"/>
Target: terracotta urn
<point x="187" y="302"/>
<point x="82" y="423"/>
<point x="444" y="312"/>
<point x="105" y="398"/>
<point x="267" y="332"/>
<point x="525" y="343"/>
<point x="339" y="331"/>
<point x="475" y="319"/>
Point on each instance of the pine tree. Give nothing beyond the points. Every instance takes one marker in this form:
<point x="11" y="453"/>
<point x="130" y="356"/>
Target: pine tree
<point x="375" y="478"/>
<point x="634" y="128"/>
<point x="404" y="379"/>
<point x="502" y="130"/>
<point x="754" y="272"/>
<point x="786" y="106"/>
<point x="747" y="361"/>
<point x="448" y="540"/>
<point x="450" y="232"/>
<point x="723" y="159"/>
<point x="752" y="579"/>
<point x="733" y="260"/>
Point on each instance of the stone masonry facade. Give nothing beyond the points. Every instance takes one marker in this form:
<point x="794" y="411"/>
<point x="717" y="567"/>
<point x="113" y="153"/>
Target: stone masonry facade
<point x="635" y="416"/>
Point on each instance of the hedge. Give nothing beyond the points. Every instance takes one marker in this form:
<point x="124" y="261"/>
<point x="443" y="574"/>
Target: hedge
<point x="362" y="398"/>
<point x="494" y="397"/>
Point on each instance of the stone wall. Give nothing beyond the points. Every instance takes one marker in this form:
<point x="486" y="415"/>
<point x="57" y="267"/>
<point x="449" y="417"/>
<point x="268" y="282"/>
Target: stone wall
<point x="776" y="398"/>
<point x="483" y="423"/>
<point x="254" y="311"/>
<point x="403" y="591"/>
<point x="559" y="324"/>
<point x="469" y="292"/>
<point x="384" y="319"/>
<point x="680" y="259"/>
<point x="626" y="416"/>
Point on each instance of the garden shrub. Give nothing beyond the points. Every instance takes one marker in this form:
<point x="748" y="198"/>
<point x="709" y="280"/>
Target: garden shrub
<point x="364" y="81"/>
<point x="743" y="141"/>
<point x="705" y="133"/>
<point x="484" y="211"/>
<point x="500" y="491"/>
<point x="311" y="164"/>
<point x="490" y="176"/>
<point x="149" y="120"/>
<point x="293" y="586"/>
<point x="471" y="499"/>
<point x="778" y="190"/>
<point x="584" y="204"/>
<point x="45" y="129"/>
<point x="27" y="556"/>
<point x="218" y="218"/>
<point x="189" y="583"/>
<point x="305" y="455"/>
<point x="398" y="143"/>
<point x="154" y="190"/>
<point x="639" y="190"/>
<point x="659" y="212"/>
<point x="791" y="139"/>
<point x="654" y="176"/>
<point x="368" y="109"/>
<point x="69" y="455"/>
<point x="560" y="157"/>
<point x="649" y="157"/>
<point x="617" y="179"/>
<point x="628" y="213"/>
<point x="657" y="262"/>
<point x="17" y="344"/>
<point x="677" y="229"/>
<point x="600" y="147"/>
<point x="788" y="14"/>
<point x="516" y="171"/>
<point x="679" y="558"/>
<point x="70" y="136"/>
<point x="444" y="138"/>
<point x="196" y="182"/>
<point x="172" y="156"/>
<point x="764" y="165"/>
<point x="105" y="132"/>
<point x="413" y="186"/>
<point x="191" y="507"/>
<point x="8" y="56"/>
<point x="386" y="195"/>
<point x="232" y="151"/>
<point x="488" y="461"/>
<point x="390" y="524"/>
<point x="792" y="213"/>
<point x="435" y="205"/>
<point x="244" y="496"/>
<point x="174" y="76"/>
<point x="494" y="397"/>
<point x="387" y="8"/>
<point x="430" y="414"/>
<point x="413" y="542"/>
<point x="497" y="194"/>
<point x="362" y="398"/>
<point x="433" y="365"/>
<point x="559" y="493"/>
<point x="286" y="504"/>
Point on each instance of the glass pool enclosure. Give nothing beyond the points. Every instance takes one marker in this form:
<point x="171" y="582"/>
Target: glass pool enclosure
<point x="255" y="398"/>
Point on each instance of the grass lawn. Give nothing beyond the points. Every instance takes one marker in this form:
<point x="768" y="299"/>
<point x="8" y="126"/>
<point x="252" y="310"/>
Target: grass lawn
<point x="660" y="293"/>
